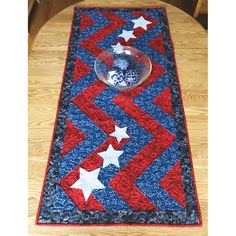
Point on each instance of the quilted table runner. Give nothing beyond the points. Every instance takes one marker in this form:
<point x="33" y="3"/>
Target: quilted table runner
<point x="119" y="157"/>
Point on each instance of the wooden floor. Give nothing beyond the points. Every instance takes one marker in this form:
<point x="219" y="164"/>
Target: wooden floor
<point x="46" y="65"/>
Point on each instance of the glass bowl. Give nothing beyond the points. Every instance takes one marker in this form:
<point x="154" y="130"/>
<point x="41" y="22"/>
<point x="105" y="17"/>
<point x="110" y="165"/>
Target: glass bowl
<point x="122" y="67"/>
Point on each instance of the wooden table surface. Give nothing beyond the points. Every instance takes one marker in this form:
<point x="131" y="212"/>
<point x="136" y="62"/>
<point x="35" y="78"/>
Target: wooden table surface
<point x="46" y="65"/>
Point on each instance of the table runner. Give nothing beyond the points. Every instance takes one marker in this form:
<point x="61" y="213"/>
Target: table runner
<point x="119" y="157"/>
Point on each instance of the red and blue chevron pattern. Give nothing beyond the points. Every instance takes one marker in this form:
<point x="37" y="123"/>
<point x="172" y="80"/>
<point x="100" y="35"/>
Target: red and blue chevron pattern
<point x="154" y="182"/>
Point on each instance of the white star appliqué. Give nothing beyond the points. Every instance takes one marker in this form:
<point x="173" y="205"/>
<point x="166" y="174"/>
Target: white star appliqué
<point x="118" y="48"/>
<point x="87" y="182"/>
<point x="120" y="133"/>
<point x="141" y="22"/>
<point x="110" y="156"/>
<point x="127" y="35"/>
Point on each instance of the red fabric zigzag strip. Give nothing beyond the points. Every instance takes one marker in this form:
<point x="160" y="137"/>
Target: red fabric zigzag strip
<point x="84" y="102"/>
<point x="123" y="182"/>
<point x="91" y="43"/>
<point x="102" y="120"/>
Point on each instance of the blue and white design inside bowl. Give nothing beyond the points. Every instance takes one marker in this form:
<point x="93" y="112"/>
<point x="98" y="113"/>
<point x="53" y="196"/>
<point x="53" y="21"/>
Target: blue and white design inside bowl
<point x="123" y="68"/>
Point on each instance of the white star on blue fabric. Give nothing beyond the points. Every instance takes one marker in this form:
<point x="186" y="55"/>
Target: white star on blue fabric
<point x="110" y="156"/>
<point x="120" y="133"/>
<point x="87" y="182"/>
<point x="141" y="22"/>
<point x="118" y="48"/>
<point x="127" y="35"/>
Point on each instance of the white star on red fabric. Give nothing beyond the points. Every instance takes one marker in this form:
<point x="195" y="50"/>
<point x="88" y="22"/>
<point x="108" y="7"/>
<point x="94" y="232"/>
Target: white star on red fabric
<point x="118" y="48"/>
<point x="110" y="156"/>
<point x="120" y="133"/>
<point x="141" y="22"/>
<point x="87" y="182"/>
<point x="127" y="35"/>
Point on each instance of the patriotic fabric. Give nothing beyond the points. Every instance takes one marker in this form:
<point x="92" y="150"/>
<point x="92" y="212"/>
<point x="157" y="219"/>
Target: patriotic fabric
<point x="119" y="157"/>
